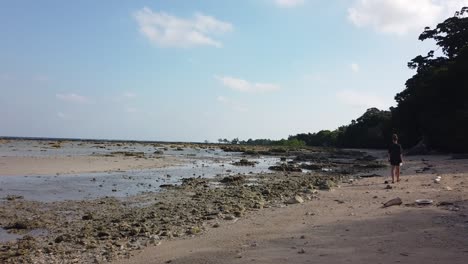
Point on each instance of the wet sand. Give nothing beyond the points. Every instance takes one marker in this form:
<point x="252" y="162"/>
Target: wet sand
<point x="53" y="165"/>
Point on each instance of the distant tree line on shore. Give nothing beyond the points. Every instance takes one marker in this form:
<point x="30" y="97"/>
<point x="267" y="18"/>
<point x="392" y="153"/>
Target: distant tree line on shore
<point x="432" y="109"/>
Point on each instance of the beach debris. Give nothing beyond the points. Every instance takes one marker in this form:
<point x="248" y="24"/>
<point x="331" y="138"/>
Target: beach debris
<point x="423" y="201"/>
<point x="301" y="251"/>
<point x="244" y="162"/>
<point x="448" y="188"/>
<point x="295" y="200"/>
<point x="388" y="187"/>
<point x="392" y="202"/>
<point x="437" y="180"/>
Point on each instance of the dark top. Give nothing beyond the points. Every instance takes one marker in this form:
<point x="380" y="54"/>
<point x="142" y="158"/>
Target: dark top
<point x="395" y="151"/>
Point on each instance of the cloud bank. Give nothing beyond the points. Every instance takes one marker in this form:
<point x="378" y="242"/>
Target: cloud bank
<point x="401" y="17"/>
<point x="246" y="86"/>
<point x="170" y="31"/>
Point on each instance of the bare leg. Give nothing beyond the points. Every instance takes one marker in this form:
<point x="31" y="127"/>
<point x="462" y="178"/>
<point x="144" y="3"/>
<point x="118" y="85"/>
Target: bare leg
<point x="397" y="172"/>
<point x="393" y="173"/>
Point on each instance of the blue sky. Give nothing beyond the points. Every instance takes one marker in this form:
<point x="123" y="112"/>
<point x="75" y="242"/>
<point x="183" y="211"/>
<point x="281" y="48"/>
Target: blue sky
<point x="196" y="70"/>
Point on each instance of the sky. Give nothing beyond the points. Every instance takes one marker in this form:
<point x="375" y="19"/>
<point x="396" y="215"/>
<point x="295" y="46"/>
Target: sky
<point x="177" y="70"/>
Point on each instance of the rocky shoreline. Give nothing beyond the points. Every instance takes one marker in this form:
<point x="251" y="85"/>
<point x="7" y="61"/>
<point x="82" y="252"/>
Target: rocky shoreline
<point x="109" y="228"/>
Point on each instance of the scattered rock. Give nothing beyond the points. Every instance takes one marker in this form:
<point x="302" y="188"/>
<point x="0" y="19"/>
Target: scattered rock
<point x="235" y="179"/>
<point x="285" y="167"/>
<point x="295" y="200"/>
<point x="392" y="202"/>
<point x="13" y="197"/>
<point x="87" y="217"/>
<point x="244" y="162"/>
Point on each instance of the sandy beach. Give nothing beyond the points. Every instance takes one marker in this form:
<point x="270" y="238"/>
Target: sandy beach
<point x="346" y="225"/>
<point x="316" y="206"/>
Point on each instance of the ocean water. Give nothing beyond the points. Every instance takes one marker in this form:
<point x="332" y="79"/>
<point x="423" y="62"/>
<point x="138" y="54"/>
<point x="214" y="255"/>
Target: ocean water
<point x="207" y="163"/>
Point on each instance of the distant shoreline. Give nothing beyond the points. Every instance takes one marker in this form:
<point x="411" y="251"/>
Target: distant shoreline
<point x="99" y="140"/>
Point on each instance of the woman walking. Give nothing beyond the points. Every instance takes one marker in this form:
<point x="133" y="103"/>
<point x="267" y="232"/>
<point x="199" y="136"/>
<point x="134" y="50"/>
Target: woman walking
<point x="395" y="157"/>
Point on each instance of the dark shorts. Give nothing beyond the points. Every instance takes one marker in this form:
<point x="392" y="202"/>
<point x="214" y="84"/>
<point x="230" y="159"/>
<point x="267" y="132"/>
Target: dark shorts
<point x="395" y="162"/>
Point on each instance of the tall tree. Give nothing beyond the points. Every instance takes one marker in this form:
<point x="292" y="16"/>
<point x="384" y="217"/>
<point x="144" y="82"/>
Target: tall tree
<point x="434" y="105"/>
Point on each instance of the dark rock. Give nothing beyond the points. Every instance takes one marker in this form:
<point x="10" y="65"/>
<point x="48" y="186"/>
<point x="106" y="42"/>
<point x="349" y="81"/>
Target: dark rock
<point x="244" y="162"/>
<point x="103" y="234"/>
<point x="311" y="166"/>
<point x="392" y="202"/>
<point x="285" y="167"/>
<point x="235" y="179"/>
<point x="87" y="217"/>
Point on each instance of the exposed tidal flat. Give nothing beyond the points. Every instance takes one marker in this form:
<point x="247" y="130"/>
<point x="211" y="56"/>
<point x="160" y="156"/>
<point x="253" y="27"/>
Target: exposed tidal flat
<point x="153" y="193"/>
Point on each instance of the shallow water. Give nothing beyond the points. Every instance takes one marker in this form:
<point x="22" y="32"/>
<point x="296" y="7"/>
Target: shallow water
<point x="199" y="163"/>
<point x="5" y="236"/>
<point x="33" y="148"/>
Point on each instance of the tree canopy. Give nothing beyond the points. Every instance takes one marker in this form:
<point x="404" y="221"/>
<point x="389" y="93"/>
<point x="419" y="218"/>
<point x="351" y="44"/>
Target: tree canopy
<point x="434" y="105"/>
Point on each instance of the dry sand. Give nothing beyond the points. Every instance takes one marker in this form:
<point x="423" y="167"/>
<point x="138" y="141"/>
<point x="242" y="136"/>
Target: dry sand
<point x="346" y="225"/>
<point x="52" y="165"/>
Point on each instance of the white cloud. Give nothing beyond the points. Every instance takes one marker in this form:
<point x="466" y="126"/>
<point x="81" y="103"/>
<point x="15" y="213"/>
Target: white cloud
<point x="289" y="3"/>
<point x="402" y="16"/>
<point x="72" y="98"/>
<point x="233" y="105"/>
<point x="171" y="31"/>
<point x="362" y="99"/>
<point x="355" y="67"/>
<point x="246" y="86"/>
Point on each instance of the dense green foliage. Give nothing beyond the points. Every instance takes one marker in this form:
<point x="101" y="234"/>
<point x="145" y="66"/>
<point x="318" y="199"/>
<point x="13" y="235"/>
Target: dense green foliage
<point x="371" y="130"/>
<point x="434" y="105"/>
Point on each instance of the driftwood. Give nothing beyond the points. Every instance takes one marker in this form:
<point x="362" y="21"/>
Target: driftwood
<point x="392" y="202"/>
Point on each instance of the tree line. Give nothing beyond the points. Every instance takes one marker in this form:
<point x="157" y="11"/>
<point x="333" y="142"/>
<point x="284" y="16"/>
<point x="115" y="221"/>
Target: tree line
<point x="433" y="107"/>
